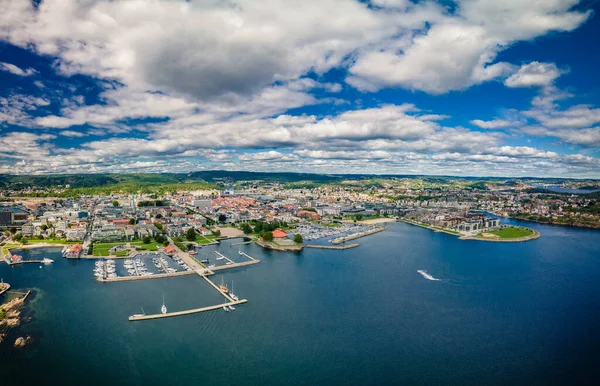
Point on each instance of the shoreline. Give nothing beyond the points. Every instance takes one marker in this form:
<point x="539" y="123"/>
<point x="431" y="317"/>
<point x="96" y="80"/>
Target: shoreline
<point x="556" y="223"/>
<point x="535" y="235"/>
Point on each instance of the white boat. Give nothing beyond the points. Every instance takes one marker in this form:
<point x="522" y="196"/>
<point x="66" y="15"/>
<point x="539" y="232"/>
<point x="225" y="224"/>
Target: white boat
<point x="231" y="294"/>
<point x="231" y="308"/>
<point x="163" y="309"/>
<point x="240" y="252"/>
<point x="225" y="309"/>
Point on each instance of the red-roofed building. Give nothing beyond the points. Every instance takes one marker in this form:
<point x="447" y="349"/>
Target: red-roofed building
<point x="279" y="233"/>
<point x="169" y="249"/>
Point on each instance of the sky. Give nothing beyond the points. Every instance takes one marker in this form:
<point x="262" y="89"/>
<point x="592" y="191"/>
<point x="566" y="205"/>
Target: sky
<point x="466" y="87"/>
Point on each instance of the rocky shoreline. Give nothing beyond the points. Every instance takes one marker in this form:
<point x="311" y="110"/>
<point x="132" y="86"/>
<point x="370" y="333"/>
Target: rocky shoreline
<point x="11" y="318"/>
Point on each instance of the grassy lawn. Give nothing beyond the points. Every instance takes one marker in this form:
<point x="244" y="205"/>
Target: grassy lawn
<point x="101" y="249"/>
<point x="9" y="246"/>
<point x="512" y="233"/>
<point x="332" y="225"/>
<point x="54" y="241"/>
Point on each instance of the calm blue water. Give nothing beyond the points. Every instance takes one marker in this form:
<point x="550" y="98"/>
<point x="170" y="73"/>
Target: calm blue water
<point x="523" y="313"/>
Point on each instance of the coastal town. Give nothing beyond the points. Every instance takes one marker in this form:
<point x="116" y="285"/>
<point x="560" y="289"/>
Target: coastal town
<point x="139" y="236"/>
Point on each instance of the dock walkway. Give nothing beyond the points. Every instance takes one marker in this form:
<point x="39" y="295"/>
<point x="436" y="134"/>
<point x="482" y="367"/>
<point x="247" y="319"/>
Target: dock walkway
<point x="134" y="318"/>
<point x="148" y="277"/>
<point x="224" y="257"/>
<point x="235" y="265"/>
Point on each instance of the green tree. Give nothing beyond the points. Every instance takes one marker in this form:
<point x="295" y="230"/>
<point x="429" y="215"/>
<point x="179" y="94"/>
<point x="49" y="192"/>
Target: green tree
<point x="166" y="243"/>
<point x="268" y="236"/>
<point x="18" y="237"/>
<point x="147" y="240"/>
<point x="131" y="221"/>
<point x="158" y="226"/>
<point x="217" y="233"/>
<point x="190" y="235"/>
<point x="246" y="228"/>
<point x="298" y="238"/>
<point x="44" y="227"/>
<point x="116" y="203"/>
<point x="222" y="218"/>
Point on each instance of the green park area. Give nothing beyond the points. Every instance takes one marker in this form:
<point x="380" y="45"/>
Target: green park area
<point x="101" y="249"/>
<point x="512" y="232"/>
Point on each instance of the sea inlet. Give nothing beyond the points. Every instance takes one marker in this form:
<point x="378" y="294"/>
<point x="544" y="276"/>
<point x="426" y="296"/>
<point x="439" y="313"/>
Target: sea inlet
<point x="499" y="313"/>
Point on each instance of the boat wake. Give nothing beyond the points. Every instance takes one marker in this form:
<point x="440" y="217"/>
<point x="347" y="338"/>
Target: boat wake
<point x="426" y="275"/>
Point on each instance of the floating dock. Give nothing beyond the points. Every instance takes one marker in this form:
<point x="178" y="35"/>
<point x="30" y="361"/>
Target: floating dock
<point x="134" y="318"/>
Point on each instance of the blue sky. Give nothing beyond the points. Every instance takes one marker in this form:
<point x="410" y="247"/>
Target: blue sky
<point x="469" y="87"/>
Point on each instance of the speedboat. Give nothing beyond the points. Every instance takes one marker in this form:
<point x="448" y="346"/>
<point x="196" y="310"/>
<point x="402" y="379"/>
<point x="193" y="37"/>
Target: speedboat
<point x="225" y="309"/>
<point x="231" y="308"/>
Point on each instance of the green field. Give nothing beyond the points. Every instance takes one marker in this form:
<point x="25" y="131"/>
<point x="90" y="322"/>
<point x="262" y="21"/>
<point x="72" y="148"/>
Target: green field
<point x="332" y="225"/>
<point x="101" y="249"/>
<point x="512" y="233"/>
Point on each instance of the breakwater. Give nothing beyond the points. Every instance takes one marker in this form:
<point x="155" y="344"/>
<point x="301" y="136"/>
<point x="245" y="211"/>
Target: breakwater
<point x="371" y="231"/>
<point x="335" y="247"/>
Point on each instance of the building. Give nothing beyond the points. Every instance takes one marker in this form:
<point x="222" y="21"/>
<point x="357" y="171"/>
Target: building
<point x="74" y="252"/>
<point x="279" y="234"/>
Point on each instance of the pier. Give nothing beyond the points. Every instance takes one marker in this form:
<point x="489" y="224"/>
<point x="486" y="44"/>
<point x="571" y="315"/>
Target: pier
<point x="336" y="247"/>
<point x="358" y="235"/>
<point x="248" y="256"/>
<point x="134" y="318"/>
<point x="218" y="289"/>
<point x="7" y="261"/>
<point x="224" y="257"/>
<point x="147" y="277"/>
<point x="235" y="265"/>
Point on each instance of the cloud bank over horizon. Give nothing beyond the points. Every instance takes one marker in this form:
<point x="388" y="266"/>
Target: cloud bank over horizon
<point x="471" y="87"/>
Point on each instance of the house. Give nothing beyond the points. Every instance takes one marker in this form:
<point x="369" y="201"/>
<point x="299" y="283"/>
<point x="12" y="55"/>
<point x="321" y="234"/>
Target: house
<point x="170" y="250"/>
<point x="204" y="231"/>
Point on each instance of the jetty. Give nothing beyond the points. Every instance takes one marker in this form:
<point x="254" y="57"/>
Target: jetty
<point x="147" y="277"/>
<point x="248" y="256"/>
<point x="224" y="257"/>
<point x="242" y="243"/>
<point x="358" y="235"/>
<point x="134" y="318"/>
<point x="7" y="261"/>
<point x="235" y="265"/>
<point x="335" y="247"/>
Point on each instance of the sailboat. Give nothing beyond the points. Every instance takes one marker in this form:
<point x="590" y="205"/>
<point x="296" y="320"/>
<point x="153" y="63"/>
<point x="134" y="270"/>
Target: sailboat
<point x="231" y="294"/>
<point x="163" y="309"/>
<point x="223" y="287"/>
